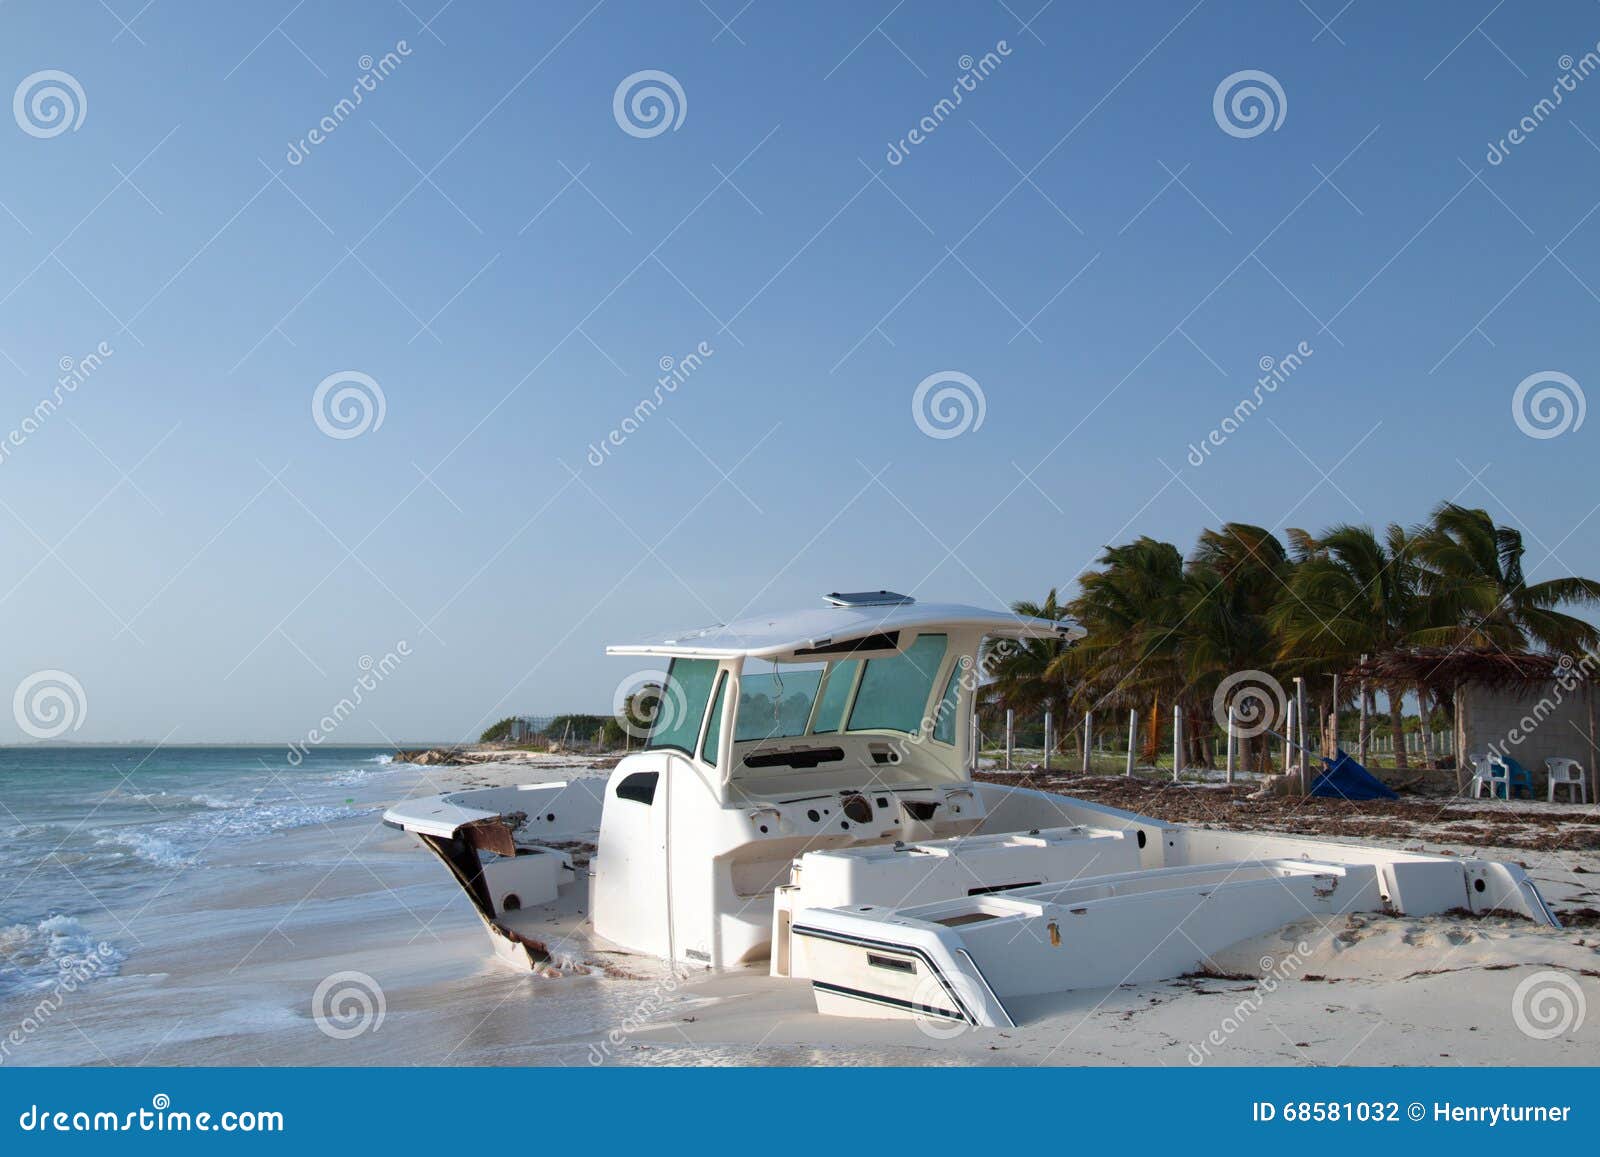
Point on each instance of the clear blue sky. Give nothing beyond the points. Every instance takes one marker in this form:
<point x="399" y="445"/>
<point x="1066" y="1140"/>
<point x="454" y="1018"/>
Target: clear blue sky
<point x="484" y="240"/>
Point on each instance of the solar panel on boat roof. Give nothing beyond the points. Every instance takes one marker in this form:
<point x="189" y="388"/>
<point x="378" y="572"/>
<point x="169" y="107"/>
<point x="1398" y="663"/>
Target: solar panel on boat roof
<point x="869" y="599"/>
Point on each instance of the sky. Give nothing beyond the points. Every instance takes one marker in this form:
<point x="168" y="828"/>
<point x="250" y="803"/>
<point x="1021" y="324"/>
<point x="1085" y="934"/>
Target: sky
<point x="341" y="406"/>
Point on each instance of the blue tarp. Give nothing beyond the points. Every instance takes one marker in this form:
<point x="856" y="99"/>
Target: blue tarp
<point x="1344" y="778"/>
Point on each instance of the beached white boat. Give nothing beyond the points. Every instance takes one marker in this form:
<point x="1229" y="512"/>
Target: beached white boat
<point x="805" y="801"/>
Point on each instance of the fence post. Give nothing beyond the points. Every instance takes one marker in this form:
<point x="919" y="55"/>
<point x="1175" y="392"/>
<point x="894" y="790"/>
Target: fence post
<point x="1088" y="738"/>
<point x="1047" y="737"/>
<point x="1008" y="738"/>
<point x="1177" y="740"/>
<point x="1230" y="743"/>
<point x="1333" y="751"/>
<point x="1133" y="736"/>
<point x="1300" y="718"/>
<point x="1288" y="730"/>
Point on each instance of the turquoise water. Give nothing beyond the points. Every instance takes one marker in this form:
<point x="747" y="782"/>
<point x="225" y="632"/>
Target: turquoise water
<point x="86" y="832"/>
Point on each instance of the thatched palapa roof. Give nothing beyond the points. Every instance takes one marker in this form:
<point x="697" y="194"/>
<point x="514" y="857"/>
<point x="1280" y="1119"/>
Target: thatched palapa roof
<point x="1442" y="669"/>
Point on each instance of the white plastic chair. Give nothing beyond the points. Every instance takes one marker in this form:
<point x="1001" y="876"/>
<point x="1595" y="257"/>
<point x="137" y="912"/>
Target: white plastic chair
<point x="1569" y="772"/>
<point x="1483" y="775"/>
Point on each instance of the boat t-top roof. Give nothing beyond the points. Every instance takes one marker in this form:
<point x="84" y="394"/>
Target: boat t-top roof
<point x="861" y="618"/>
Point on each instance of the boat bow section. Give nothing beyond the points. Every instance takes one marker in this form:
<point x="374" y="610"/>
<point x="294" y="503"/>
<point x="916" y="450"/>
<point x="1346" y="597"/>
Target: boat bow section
<point x="508" y="847"/>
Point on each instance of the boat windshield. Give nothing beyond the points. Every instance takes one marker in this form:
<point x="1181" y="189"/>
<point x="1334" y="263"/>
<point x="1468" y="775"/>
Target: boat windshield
<point x="776" y="702"/>
<point x="784" y="700"/>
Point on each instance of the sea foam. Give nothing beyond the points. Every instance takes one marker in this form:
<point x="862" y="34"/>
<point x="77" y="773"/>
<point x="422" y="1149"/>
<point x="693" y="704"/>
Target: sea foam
<point x="44" y="954"/>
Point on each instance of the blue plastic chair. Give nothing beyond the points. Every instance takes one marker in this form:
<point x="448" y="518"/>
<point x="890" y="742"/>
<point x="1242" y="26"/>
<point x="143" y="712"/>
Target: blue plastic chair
<point x="1516" y="778"/>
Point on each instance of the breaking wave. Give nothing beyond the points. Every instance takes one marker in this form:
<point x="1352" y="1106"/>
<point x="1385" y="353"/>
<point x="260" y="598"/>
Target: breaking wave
<point x="182" y="843"/>
<point x="39" y="955"/>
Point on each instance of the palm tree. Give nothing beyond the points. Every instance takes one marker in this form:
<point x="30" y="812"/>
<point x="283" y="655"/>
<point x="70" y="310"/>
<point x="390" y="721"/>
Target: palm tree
<point x="1234" y="579"/>
<point x="1021" y="672"/>
<point x="1471" y="572"/>
<point x="1352" y="595"/>
<point x="1131" y="608"/>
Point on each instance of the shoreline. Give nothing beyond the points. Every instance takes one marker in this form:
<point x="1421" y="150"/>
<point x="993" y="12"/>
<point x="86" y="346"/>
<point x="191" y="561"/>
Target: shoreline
<point x="230" y="954"/>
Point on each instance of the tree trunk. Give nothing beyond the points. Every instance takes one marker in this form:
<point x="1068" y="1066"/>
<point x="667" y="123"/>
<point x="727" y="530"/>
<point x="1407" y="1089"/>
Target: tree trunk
<point x="1397" y="723"/>
<point x="1425" y="709"/>
<point x="1152" y="733"/>
<point x="1364" y="729"/>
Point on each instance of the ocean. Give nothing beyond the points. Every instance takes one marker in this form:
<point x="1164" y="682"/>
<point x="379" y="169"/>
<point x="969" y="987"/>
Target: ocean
<point x="219" y="906"/>
<point x="89" y="836"/>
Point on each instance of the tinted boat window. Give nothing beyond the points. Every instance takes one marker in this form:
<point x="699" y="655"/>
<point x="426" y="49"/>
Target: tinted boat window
<point x="683" y="704"/>
<point x="775" y="704"/>
<point x="835" y="694"/>
<point x="894" y="690"/>
<point x="944" y="722"/>
<point x="713" y="739"/>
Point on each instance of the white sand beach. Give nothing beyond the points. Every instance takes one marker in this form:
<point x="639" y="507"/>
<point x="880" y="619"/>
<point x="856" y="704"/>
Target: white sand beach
<point x="226" y="961"/>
